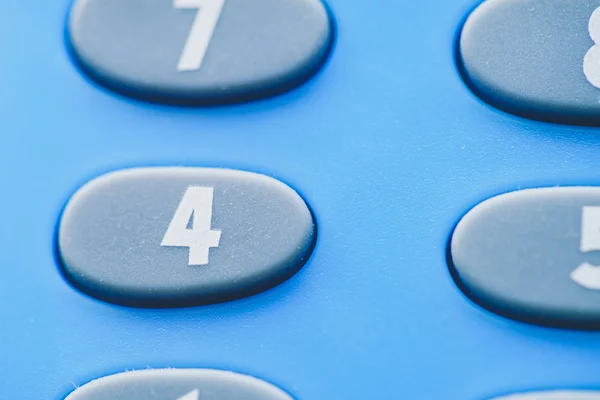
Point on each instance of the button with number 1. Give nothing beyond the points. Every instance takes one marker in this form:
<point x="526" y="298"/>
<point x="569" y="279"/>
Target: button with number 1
<point x="199" y="51"/>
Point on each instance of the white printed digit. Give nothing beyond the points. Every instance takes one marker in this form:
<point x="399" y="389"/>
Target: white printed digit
<point x="591" y="61"/>
<point x="201" y="32"/>
<point x="588" y="275"/>
<point x="193" y="395"/>
<point x="590" y="229"/>
<point x="195" y="207"/>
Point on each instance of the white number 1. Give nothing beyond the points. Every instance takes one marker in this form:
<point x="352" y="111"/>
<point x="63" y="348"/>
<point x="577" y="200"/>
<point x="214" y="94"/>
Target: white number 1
<point x="202" y="30"/>
<point x="195" y="207"/>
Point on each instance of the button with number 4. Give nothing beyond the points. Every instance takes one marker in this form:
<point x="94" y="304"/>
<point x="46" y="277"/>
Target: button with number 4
<point x="200" y="51"/>
<point x="166" y="237"/>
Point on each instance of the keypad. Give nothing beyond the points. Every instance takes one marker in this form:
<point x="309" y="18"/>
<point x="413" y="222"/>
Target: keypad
<point x="200" y="51"/>
<point x="535" y="58"/>
<point x="178" y="384"/>
<point x="189" y="237"/>
<point x="161" y="237"/>
<point x="533" y="255"/>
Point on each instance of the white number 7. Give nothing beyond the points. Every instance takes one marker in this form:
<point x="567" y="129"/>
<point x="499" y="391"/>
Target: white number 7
<point x="202" y="30"/>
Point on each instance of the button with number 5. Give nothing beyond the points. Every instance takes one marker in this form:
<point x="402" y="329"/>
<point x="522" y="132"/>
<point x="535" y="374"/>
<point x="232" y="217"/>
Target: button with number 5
<point x="168" y="237"/>
<point x="200" y="51"/>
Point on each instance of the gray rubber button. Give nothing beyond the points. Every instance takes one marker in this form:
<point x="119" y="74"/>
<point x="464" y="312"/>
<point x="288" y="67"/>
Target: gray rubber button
<point x="200" y="51"/>
<point x="535" y="58"/>
<point x="533" y="255"/>
<point x="178" y="384"/>
<point x="166" y="237"/>
<point x="554" y="395"/>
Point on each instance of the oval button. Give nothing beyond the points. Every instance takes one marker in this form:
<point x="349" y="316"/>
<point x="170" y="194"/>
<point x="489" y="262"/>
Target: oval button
<point x="554" y="395"/>
<point x="165" y="237"/>
<point x="535" y="58"/>
<point x="533" y="255"/>
<point x="200" y="51"/>
<point x="178" y="384"/>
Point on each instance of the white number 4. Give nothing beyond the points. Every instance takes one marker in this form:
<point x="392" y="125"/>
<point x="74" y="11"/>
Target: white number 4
<point x="202" y="30"/>
<point x="195" y="208"/>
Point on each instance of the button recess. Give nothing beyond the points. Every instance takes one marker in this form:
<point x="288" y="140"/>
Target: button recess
<point x="167" y="237"/>
<point x="533" y="255"/>
<point x="178" y="384"/>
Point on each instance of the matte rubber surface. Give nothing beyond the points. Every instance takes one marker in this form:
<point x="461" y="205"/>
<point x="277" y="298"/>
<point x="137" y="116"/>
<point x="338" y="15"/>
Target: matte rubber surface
<point x="387" y="145"/>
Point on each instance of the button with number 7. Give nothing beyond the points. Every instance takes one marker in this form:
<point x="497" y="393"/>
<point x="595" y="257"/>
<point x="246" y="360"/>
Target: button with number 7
<point x="169" y="237"/>
<point x="199" y="51"/>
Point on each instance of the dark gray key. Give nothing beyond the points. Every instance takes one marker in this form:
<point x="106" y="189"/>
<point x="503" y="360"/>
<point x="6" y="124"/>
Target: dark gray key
<point x="554" y="395"/>
<point x="178" y="384"/>
<point x="533" y="255"/>
<point x="535" y="58"/>
<point x="161" y="237"/>
<point x="200" y="51"/>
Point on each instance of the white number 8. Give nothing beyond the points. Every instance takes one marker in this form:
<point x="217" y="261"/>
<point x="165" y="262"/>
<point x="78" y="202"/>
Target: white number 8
<point x="201" y="32"/>
<point x="591" y="61"/>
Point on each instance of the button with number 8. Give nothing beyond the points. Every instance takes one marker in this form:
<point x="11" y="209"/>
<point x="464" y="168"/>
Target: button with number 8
<point x="536" y="58"/>
<point x="167" y="237"/>
<point x="199" y="51"/>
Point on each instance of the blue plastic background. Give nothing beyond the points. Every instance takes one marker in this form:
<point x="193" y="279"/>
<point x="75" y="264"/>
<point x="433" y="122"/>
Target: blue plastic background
<point x="387" y="145"/>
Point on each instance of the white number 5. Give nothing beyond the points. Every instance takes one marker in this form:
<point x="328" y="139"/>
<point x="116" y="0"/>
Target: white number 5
<point x="202" y="30"/>
<point x="195" y="207"/>
<point x="588" y="275"/>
